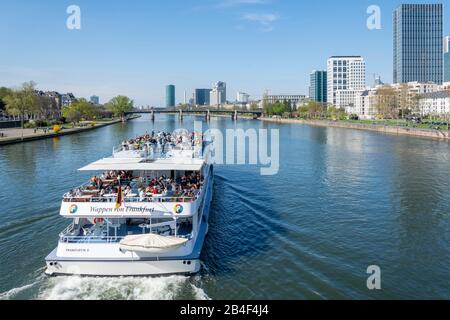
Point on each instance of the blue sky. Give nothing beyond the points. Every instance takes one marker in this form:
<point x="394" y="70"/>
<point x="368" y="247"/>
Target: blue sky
<point x="136" y="47"/>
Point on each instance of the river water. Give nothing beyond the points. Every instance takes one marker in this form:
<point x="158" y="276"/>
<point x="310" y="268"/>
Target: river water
<point x="343" y="200"/>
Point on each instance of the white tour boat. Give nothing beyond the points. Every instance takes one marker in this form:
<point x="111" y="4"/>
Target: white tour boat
<point x="147" y="214"/>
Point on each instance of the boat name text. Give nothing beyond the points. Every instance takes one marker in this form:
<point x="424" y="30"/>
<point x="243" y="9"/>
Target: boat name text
<point x="122" y="210"/>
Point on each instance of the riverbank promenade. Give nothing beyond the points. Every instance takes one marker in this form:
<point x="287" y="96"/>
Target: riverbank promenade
<point x="386" y="129"/>
<point x="16" y="135"/>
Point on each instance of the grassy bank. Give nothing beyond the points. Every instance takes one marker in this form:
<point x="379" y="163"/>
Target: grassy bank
<point x="385" y="126"/>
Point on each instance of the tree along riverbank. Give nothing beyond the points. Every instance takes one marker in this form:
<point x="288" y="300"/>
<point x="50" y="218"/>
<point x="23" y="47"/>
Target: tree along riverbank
<point x="13" y="136"/>
<point x="387" y="129"/>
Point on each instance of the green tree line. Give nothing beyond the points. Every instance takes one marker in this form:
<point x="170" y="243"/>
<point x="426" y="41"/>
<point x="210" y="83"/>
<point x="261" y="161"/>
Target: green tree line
<point x="24" y="101"/>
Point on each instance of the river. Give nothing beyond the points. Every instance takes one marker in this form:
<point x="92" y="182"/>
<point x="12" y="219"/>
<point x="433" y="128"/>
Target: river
<point x="343" y="200"/>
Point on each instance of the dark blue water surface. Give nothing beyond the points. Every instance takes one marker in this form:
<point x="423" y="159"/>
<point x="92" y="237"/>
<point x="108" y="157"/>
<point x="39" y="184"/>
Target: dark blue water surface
<point x="343" y="200"/>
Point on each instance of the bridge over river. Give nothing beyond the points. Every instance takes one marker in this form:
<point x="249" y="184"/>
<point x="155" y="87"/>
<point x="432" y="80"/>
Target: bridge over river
<point x="207" y="113"/>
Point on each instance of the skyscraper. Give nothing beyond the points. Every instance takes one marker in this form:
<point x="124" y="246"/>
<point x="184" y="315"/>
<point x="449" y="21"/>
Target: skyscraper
<point x="318" y="86"/>
<point x="170" y="96"/>
<point x="242" y="97"/>
<point x="447" y="59"/>
<point x="218" y="94"/>
<point x="345" y="75"/>
<point x="95" y="99"/>
<point x="418" y="51"/>
<point x="201" y="97"/>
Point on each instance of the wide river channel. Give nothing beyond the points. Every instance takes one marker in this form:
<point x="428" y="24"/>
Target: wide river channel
<point x="343" y="200"/>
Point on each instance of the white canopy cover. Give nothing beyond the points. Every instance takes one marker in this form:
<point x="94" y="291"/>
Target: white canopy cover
<point x="151" y="243"/>
<point x="139" y="164"/>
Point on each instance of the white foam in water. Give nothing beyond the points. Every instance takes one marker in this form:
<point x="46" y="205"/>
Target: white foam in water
<point x="126" y="288"/>
<point x="200" y="294"/>
<point x="15" y="291"/>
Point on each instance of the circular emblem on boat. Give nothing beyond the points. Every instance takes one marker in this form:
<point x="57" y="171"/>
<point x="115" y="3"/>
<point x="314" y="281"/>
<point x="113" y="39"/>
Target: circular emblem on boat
<point x="73" y="209"/>
<point x="178" y="209"/>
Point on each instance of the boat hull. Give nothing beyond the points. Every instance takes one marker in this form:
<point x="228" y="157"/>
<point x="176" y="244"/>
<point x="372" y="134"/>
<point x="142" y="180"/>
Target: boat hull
<point x="123" y="268"/>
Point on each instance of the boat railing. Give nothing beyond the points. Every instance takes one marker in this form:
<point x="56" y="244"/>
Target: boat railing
<point x="83" y="195"/>
<point x="113" y="199"/>
<point x="99" y="239"/>
<point x="89" y="239"/>
<point x="123" y="182"/>
<point x="153" y="152"/>
<point x="144" y="154"/>
<point x="67" y="230"/>
<point x="85" y="186"/>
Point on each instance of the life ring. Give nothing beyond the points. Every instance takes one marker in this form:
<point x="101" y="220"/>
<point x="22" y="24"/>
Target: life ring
<point x="98" y="220"/>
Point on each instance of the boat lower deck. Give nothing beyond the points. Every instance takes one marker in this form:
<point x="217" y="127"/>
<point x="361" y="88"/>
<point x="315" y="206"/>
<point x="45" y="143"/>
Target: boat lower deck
<point x="112" y="233"/>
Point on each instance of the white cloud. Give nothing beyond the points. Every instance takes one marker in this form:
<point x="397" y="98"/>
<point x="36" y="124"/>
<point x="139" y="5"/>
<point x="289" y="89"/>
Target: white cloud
<point x="266" y="20"/>
<point x="232" y="3"/>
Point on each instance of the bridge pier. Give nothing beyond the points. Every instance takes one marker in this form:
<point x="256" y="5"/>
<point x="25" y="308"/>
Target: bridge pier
<point x="181" y="115"/>
<point x="152" y="115"/>
<point x="208" y="115"/>
<point x="234" y="116"/>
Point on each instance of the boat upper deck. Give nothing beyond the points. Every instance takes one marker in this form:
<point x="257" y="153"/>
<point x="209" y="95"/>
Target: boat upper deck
<point x="155" y="152"/>
<point x="105" y="188"/>
<point x="152" y="172"/>
<point x="162" y="146"/>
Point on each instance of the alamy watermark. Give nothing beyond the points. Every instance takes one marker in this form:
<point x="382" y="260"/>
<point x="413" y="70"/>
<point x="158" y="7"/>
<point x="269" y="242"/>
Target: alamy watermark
<point x="374" y="19"/>
<point x="374" y="280"/>
<point x="73" y="22"/>
<point x="243" y="147"/>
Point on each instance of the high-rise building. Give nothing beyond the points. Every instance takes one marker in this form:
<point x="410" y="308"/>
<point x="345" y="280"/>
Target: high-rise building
<point x="447" y="59"/>
<point x="318" y="86"/>
<point x="242" y="97"/>
<point x="201" y="97"/>
<point x="218" y="95"/>
<point x="170" y="96"/>
<point x="378" y="81"/>
<point x="418" y="34"/>
<point x="95" y="100"/>
<point x="345" y="73"/>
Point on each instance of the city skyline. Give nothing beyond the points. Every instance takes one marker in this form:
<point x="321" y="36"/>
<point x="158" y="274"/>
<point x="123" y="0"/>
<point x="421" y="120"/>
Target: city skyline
<point x="137" y="59"/>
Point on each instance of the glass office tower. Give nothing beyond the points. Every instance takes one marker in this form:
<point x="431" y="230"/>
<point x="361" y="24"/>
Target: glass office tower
<point x="318" y="86"/>
<point x="170" y="96"/>
<point x="418" y="46"/>
<point x="447" y="59"/>
<point x="202" y="97"/>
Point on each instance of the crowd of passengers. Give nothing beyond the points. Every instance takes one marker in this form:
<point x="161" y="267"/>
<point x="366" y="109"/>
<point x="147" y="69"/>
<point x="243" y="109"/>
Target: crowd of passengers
<point x="108" y="184"/>
<point x="187" y="186"/>
<point x="162" y="139"/>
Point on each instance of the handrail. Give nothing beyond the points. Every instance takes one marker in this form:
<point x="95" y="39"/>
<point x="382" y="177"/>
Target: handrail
<point x="98" y="239"/>
<point x="157" y="152"/>
<point x="90" y="239"/>
<point x="66" y="230"/>
<point x="131" y="199"/>
<point x="89" y="183"/>
<point x="70" y="198"/>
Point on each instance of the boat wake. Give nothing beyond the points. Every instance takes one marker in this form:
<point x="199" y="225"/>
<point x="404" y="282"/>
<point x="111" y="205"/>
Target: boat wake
<point x="125" y="288"/>
<point x="11" y="294"/>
